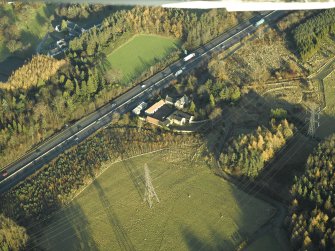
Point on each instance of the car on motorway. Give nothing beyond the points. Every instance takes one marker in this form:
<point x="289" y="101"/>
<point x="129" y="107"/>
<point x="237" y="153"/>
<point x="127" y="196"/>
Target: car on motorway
<point x="143" y="86"/>
<point x="76" y="138"/>
<point x="4" y="173"/>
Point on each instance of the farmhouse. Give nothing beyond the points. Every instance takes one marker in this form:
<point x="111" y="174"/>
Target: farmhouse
<point x="182" y="102"/>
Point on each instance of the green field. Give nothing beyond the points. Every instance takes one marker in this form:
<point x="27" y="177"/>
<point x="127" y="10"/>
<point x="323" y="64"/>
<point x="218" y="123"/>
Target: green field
<point x="139" y="53"/>
<point x="265" y="243"/>
<point x="197" y="211"/>
<point x="329" y="88"/>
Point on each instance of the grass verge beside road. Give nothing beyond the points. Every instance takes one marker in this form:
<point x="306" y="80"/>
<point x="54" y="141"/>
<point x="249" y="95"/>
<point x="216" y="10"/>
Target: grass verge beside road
<point x="197" y="210"/>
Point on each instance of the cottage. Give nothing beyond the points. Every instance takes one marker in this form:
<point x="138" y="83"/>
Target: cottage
<point x="182" y="102"/>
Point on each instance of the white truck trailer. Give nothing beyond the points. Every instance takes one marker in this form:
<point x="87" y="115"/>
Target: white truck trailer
<point x="259" y="22"/>
<point x="178" y="73"/>
<point x="188" y="57"/>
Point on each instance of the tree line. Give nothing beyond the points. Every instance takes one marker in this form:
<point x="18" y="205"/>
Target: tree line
<point x="312" y="213"/>
<point x="309" y="35"/>
<point x="193" y="28"/>
<point x="34" y="73"/>
<point x="247" y="154"/>
<point x="78" y="11"/>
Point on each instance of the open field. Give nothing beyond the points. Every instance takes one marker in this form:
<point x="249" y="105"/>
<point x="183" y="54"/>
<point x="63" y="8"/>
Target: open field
<point x="139" y="53"/>
<point x="197" y="210"/>
<point x="265" y="243"/>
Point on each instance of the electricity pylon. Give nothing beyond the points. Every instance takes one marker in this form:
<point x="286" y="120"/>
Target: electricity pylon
<point x="149" y="188"/>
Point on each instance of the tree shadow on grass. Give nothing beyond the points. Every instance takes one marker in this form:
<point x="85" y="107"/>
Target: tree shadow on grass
<point x="70" y="231"/>
<point x="197" y="243"/>
<point x="40" y="19"/>
<point x="123" y="240"/>
<point x="135" y="175"/>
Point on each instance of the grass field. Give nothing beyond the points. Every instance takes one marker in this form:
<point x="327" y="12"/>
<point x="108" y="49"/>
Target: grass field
<point x="197" y="211"/>
<point x="139" y="53"/>
<point x="265" y="243"/>
<point x="329" y="86"/>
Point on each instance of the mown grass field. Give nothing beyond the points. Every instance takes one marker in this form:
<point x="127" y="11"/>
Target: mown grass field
<point x="197" y="210"/>
<point x="139" y="53"/>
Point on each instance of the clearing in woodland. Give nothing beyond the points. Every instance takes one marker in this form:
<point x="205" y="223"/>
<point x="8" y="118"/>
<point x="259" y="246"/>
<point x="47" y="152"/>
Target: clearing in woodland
<point x="197" y="210"/>
<point x="139" y="53"/>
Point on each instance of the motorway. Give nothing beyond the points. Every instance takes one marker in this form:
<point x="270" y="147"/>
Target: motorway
<point x="72" y="135"/>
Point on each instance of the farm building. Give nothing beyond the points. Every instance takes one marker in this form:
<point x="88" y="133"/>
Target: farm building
<point x="182" y="102"/>
<point x="154" y="108"/>
<point x="180" y="118"/>
<point x="139" y="108"/>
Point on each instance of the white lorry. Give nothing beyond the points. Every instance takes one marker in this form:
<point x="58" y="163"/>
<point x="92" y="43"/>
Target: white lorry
<point x="178" y="73"/>
<point x="188" y="57"/>
<point x="259" y="22"/>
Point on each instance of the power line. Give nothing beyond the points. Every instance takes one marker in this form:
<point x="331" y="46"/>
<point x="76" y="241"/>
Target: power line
<point x="313" y="121"/>
<point x="149" y="188"/>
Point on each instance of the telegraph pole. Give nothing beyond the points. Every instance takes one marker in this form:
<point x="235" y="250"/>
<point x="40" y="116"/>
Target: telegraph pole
<point x="149" y="188"/>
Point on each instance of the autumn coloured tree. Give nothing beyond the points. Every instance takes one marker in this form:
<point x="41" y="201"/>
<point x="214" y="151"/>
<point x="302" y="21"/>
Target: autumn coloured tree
<point x="312" y="213"/>
<point x="247" y="154"/>
<point x="12" y="236"/>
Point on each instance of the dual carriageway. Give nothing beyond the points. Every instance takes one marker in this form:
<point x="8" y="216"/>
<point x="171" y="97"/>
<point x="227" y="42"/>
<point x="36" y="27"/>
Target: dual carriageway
<point x="72" y="135"/>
